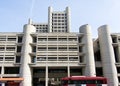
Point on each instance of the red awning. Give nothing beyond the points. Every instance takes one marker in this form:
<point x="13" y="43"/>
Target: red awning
<point x="11" y="79"/>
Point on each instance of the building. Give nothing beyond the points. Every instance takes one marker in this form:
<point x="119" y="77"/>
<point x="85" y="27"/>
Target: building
<point x="45" y="52"/>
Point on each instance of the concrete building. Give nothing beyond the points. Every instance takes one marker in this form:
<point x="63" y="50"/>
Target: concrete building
<point x="45" y="52"/>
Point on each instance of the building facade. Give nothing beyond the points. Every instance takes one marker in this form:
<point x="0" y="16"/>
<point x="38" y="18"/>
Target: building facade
<point x="45" y="52"/>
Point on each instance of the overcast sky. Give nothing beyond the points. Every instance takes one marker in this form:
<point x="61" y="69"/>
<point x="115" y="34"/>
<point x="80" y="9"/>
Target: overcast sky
<point x="15" y="13"/>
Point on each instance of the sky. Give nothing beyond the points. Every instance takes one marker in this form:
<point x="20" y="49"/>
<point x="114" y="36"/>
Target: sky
<point x="15" y="13"/>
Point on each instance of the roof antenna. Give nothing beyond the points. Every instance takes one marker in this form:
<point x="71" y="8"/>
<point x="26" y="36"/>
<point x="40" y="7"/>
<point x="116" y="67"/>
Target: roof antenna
<point x="31" y="12"/>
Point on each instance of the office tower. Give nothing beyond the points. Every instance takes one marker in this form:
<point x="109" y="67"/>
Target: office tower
<point x="45" y="52"/>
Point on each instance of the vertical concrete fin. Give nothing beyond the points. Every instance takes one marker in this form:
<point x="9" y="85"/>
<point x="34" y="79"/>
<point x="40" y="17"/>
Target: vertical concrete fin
<point x="107" y="55"/>
<point x="25" y="70"/>
<point x="88" y="50"/>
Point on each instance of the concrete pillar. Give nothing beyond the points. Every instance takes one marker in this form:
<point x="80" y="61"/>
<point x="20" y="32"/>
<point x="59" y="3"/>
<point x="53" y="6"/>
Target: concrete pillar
<point x="2" y="73"/>
<point x="68" y="69"/>
<point x="107" y="55"/>
<point x="50" y="9"/>
<point x="88" y="50"/>
<point x="25" y="69"/>
<point x="46" y="76"/>
<point x="2" y="70"/>
<point x="68" y="19"/>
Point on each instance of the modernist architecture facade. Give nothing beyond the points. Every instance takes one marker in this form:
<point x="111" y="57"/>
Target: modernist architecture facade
<point x="45" y="52"/>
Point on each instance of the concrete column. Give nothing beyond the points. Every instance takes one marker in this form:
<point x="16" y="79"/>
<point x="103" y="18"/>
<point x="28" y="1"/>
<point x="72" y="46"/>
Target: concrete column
<point x="107" y="55"/>
<point x="88" y="50"/>
<point x="68" y="19"/>
<point x="2" y="73"/>
<point x="50" y="9"/>
<point x="25" y="69"/>
<point x="46" y="77"/>
<point x="68" y="68"/>
<point x="2" y="70"/>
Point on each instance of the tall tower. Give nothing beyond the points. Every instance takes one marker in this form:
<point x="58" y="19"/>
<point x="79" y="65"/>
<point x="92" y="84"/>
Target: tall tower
<point x="25" y="70"/>
<point x="107" y="55"/>
<point x="88" y="50"/>
<point x="58" y="21"/>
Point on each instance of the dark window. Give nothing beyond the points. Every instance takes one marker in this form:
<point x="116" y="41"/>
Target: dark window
<point x="80" y="48"/>
<point x="81" y="59"/>
<point x="116" y="54"/>
<point x="19" y="39"/>
<point x="118" y="69"/>
<point x="34" y="39"/>
<point x="19" y="48"/>
<point x="80" y="39"/>
<point x="33" y="48"/>
<point x="99" y="71"/>
<point x="119" y="79"/>
<point x="114" y="39"/>
<point x="11" y="39"/>
<point x="33" y="59"/>
<point x="97" y="56"/>
<point x="18" y="59"/>
<point x="0" y="70"/>
<point x="11" y="70"/>
<point x="38" y="70"/>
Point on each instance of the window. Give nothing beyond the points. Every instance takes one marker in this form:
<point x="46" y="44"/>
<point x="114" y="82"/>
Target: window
<point x="63" y="58"/>
<point x="62" y="48"/>
<point x="72" y="39"/>
<point x="11" y="39"/>
<point x="19" y="39"/>
<point x="10" y="48"/>
<point x="33" y="48"/>
<point x="80" y="48"/>
<point x="52" y="39"/>
<point x="118" y="69"/>
<point x="33" y="59"/>
<point x="18" y="58"/>
<point x="19" y="48"/>
<point x="2" y="38"/>
<point x="81" y="59"/>
<point x="98" y="56"/>
<point x="11" y="70"/>
<point x="34" y="39"/>
<point x="73" y="58"/>
<point x="72" y="48"/>
<point x="2" y="48"/>
<point x="41" y="58"/>
<point x="9" y="58"/>
<point x="99" y="71"/>
<point x="42" y="39"/>
<point x="52" y="58"/>
<point x="52" y="48"/>
<point x="62" y="39"/>
<point x="1" y="58"/>
<point x="42" y="48"/>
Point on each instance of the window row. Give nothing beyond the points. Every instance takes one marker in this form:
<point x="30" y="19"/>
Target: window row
<point x="59" y="48"/>
<point x="12" y="39"/>
<point x="57" y="39"/>
<point x="55" y="59"/>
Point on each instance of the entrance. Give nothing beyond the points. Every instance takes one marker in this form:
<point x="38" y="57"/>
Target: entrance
<point x="38" y="82"/>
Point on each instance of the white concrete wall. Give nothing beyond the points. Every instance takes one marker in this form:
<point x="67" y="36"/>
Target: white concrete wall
<point x="88" y="50"/>
<point x="107" y="55"/>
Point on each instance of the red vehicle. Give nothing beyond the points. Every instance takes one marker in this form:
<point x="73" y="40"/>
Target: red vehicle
<point x="83" y="81"/>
